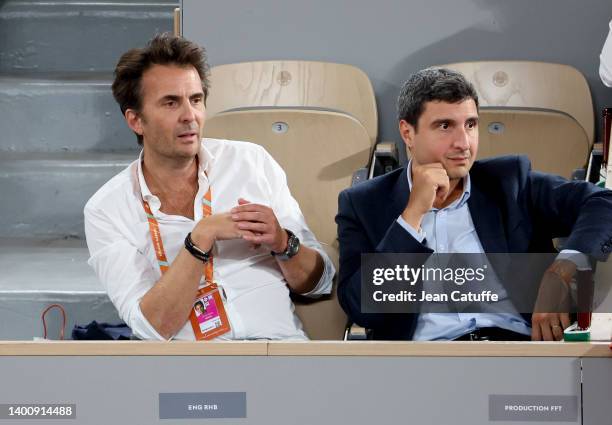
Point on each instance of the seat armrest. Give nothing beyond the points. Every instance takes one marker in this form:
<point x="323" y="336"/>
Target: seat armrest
<point x="354" y="332"/>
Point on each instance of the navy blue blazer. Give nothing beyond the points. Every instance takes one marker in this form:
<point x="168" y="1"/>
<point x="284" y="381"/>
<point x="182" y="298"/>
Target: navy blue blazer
<point x="514" y="210"/>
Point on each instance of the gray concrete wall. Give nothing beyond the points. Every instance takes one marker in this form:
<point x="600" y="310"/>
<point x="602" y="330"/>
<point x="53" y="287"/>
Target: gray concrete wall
<point x="74" y="36"/>
<point x="390" y="39"/>
<point x="62" y="136"/>
<point x="293" y="390"/>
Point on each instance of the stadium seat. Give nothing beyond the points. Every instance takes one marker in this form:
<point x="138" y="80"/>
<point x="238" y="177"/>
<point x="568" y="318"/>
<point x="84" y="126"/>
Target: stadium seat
<point x="543" y="110"/>
<point x="319" y="121"/>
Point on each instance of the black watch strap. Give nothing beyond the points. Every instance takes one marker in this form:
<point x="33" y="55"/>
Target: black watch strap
<point x="195" y="251"/>
<point x="293" y="246"/>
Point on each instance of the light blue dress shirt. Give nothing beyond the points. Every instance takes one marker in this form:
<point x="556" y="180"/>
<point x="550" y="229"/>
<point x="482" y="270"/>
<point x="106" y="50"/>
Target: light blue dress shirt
<point x="449" y="230"/>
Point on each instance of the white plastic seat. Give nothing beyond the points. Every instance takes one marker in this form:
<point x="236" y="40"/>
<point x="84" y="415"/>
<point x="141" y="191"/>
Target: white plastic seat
<point x="542" y="110"/>
<point x="318" y="120"/>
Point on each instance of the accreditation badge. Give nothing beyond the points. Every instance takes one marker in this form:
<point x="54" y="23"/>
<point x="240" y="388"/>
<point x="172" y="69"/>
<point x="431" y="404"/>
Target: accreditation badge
<point x="208" y="317"/>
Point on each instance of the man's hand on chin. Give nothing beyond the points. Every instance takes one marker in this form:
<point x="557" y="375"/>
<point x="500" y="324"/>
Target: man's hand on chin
<point x="430" y="184"/>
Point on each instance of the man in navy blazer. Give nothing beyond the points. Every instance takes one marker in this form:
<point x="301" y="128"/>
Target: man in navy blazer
<point x="445" y="201"/>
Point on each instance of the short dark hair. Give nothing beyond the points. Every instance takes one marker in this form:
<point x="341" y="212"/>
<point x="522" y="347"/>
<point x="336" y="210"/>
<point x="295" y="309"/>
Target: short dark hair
<point x="432" y="84"/>
<point x="163" y="49"/>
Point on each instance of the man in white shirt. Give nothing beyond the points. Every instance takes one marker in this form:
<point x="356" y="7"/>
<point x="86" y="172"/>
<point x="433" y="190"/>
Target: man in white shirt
<point x="256" y="235"/>
<point x="605" y="60"/>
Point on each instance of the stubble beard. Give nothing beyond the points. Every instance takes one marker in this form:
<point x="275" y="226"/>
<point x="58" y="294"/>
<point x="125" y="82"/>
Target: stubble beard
<point x="459" y="172"/>
<point x="170" y="151"/>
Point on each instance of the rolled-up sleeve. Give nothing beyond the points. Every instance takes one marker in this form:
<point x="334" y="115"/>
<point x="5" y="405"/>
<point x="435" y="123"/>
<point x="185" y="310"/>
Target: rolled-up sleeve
<point x="324" y="285"/>
<point x="125" y="273"/>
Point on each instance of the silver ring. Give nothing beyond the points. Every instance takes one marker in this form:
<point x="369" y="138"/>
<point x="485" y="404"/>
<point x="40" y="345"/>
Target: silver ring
<point x="557" y="326"/>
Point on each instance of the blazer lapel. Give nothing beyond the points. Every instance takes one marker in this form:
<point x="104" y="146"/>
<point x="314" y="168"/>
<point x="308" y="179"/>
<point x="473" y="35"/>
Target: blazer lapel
<point x="398" y="197"/>
<point x="487" y="221"/>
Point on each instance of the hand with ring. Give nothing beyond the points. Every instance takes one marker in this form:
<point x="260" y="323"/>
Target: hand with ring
<point x="551" y="312"/>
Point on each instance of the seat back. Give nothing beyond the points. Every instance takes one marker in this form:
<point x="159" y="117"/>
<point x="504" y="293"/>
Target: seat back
<point x="318" y="150"/>
<point x="291" y="84"/>
<point x="543" y="110"/>
<point x="318" y="120"/>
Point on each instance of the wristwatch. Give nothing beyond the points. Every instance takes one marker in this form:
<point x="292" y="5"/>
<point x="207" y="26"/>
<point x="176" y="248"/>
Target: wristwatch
<point x="293" y="246"/>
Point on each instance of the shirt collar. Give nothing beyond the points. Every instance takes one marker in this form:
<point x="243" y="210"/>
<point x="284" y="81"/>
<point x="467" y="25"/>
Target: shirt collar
<point x="458" y="203"/>
<point x="205" y="162"/>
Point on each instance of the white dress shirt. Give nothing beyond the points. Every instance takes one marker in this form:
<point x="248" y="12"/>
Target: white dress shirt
<point x="605" y="60"/>
<point x="123" y="256"/>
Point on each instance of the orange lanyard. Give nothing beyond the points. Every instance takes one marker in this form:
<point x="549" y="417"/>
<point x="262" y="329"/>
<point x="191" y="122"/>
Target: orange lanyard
<point x="162" y="260"/>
